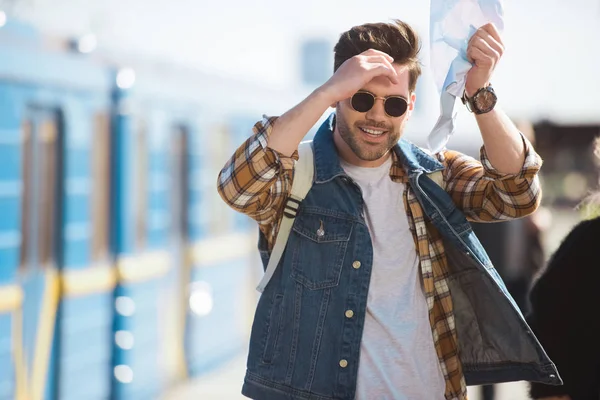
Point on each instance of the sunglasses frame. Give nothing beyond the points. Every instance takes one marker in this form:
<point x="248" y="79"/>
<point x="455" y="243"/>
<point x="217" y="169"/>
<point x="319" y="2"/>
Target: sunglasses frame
<point x="375" y="98"/>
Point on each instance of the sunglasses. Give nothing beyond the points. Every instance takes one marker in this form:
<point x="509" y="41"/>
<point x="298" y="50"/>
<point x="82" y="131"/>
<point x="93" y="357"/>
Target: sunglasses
<point x="394" y="106"/>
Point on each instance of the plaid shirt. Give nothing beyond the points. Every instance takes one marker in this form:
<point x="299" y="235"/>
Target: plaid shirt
<point x="257" y="180"/>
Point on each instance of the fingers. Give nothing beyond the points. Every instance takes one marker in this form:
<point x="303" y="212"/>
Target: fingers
<point x="484" y="41"/>
<point x="479" y="58"/>
<point x="493" y="32"/>
<point x="381" y="65"/>
<point x="372" y="63"/>
<point x="486" y="49"/>
<point x="378" y="59"/>
<point x="373" y="52"/>
<point x="376" y="70"/>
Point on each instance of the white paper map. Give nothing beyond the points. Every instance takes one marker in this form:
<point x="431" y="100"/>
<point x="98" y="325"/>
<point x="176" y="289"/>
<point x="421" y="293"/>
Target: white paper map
<point x="452" y="23"/>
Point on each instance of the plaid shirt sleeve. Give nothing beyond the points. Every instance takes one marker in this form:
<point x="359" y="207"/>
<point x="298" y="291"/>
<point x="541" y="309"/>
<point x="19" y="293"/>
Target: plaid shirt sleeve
<point x="257" y="180"/>
<point x="484" y="194"/>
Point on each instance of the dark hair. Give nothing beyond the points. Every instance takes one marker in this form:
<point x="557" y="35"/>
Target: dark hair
<point x="398" y="39"/>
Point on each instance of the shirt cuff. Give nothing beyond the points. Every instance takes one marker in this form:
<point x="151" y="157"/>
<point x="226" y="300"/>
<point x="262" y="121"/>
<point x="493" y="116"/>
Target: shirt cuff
<point x="263" y="130"/>
<point x="531" y="164"/>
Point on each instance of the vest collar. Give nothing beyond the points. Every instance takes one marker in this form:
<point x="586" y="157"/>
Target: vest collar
<point x="327" y="163"/>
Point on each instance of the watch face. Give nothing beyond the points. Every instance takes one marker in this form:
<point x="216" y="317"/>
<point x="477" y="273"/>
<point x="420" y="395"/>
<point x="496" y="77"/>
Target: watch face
<point x="485" y="100"/>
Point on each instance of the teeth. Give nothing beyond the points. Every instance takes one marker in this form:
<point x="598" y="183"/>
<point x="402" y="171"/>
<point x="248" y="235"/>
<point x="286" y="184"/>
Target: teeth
<point x="372" y="132"/>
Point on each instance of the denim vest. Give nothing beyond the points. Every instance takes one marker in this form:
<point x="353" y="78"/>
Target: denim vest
<point x="303" y="343"/>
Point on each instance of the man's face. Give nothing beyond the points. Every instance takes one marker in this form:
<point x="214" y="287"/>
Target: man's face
<point x="370" y="149"/>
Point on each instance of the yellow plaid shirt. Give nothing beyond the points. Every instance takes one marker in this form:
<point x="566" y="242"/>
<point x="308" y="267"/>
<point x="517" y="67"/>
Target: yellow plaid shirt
<point x="257" y="180"/>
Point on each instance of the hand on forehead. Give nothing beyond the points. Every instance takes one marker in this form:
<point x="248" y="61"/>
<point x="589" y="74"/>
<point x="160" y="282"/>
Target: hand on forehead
<point x="382" y="86"/>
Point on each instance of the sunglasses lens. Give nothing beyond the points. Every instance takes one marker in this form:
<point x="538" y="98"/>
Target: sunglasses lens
<point x="362" y="102"/>
<point x="395" y="106"/>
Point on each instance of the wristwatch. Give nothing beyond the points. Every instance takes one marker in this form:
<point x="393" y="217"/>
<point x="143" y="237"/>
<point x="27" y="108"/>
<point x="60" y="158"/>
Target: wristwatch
<point x="483" y="101"/>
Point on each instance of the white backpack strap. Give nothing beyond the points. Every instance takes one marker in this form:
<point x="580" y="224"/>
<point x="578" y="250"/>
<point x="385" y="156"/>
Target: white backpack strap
<point x="438" y="178"/>
<point x="303" y="180"/>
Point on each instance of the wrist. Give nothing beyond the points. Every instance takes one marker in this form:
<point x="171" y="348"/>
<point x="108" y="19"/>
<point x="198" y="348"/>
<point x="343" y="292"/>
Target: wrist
<point x="325" y="96"/>
<point x="470" y="90"/>
<point x="483" y="100"/>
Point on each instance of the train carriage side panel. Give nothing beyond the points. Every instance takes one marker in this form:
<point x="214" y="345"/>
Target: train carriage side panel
<point x="10" y="236"/>
<point x="47" y="109"/>
<point x="147" y="260"/>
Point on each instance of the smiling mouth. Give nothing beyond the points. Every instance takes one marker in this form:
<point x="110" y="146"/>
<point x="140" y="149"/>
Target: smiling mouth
<point x="373" y="132"/>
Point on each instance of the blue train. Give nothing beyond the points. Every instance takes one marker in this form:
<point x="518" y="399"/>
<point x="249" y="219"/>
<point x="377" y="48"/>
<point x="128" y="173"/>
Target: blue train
<point x="121" y="271"/>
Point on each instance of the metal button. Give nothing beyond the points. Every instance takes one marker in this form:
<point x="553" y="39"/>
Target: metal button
<point x="551" y="375"/>
<point x="321" y="230"/>
<point x="356" y="264"/>
<point x="349" y="314"/>
<point x="343" y="363"/>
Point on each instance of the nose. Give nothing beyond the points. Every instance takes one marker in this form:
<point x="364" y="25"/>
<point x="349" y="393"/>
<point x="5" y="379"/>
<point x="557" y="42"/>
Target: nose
<point x="377" y="112"/>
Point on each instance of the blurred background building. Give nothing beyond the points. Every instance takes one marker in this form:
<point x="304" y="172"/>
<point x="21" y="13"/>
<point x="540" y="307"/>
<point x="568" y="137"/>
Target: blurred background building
<point x="122" y="273"/>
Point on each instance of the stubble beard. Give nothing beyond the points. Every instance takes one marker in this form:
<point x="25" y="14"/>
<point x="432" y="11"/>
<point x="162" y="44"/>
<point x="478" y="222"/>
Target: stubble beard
<point x="365" y="151"/>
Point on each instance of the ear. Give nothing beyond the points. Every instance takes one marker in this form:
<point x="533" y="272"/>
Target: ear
<point x="411" y="103"/>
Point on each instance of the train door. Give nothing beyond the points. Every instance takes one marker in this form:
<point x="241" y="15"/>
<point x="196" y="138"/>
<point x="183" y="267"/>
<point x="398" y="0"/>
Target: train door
<point x="83" y="331"/>
<point x="180" y="161"/>
<point x="177" y="288"/>
<point x="134" y="336"/>
<point x="218" y="315"/>
<point x="40" y="244"/>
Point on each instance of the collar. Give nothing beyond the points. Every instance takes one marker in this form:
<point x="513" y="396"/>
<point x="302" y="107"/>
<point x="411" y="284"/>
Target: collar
<point x="407" y="158"/>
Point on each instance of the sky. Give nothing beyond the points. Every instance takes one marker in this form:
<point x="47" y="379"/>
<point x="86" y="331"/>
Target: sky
<point x="551" y="62"/>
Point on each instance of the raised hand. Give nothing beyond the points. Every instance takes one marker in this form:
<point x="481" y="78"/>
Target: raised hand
<point x="357" y="71"/>
<point x="484" y="50"/>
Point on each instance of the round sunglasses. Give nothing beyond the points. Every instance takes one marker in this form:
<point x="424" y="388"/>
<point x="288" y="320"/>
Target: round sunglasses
<point x="394" y="106"/>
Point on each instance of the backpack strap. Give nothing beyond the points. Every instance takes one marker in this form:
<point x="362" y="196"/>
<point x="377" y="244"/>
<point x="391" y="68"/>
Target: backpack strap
<point x="438" y="178"/>
<point x="304" y="171"/>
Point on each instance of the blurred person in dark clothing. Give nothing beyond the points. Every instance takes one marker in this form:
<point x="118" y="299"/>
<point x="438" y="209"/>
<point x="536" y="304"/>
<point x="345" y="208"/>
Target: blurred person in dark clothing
<point x="564" y="311"/>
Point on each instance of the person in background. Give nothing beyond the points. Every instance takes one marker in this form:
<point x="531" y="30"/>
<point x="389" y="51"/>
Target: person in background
<point x="564" y="310"/>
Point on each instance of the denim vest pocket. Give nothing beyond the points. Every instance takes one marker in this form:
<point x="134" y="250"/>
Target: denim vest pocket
<point x="320" y="243"/>
<point x="273" y="329"/>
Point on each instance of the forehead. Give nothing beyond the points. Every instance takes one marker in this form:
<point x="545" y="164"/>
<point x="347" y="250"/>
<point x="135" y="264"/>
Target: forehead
<point x="382" y="86"/>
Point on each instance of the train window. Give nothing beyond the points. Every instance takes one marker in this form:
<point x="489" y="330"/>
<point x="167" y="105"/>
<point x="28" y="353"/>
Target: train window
<point x="140" y="182"/>
<point x="27" y="159"/>
<point x="222" y="148"/>
<point x="47" y="201"/>
<point x="180" y="183"/>
<point x="40" y="205"/>
<point x="101" y="187"/>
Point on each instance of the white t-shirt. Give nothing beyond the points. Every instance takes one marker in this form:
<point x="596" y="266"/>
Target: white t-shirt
<point x="397" y="355"/>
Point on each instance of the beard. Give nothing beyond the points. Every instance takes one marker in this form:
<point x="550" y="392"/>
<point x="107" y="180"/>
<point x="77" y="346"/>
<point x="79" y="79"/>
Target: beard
<point x="364" y="150"/>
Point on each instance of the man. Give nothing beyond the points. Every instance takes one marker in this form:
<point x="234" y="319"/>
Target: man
<point x="383" y="291"/>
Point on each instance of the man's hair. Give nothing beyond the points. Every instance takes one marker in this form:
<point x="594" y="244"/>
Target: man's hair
<point x="398" y="39"/>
